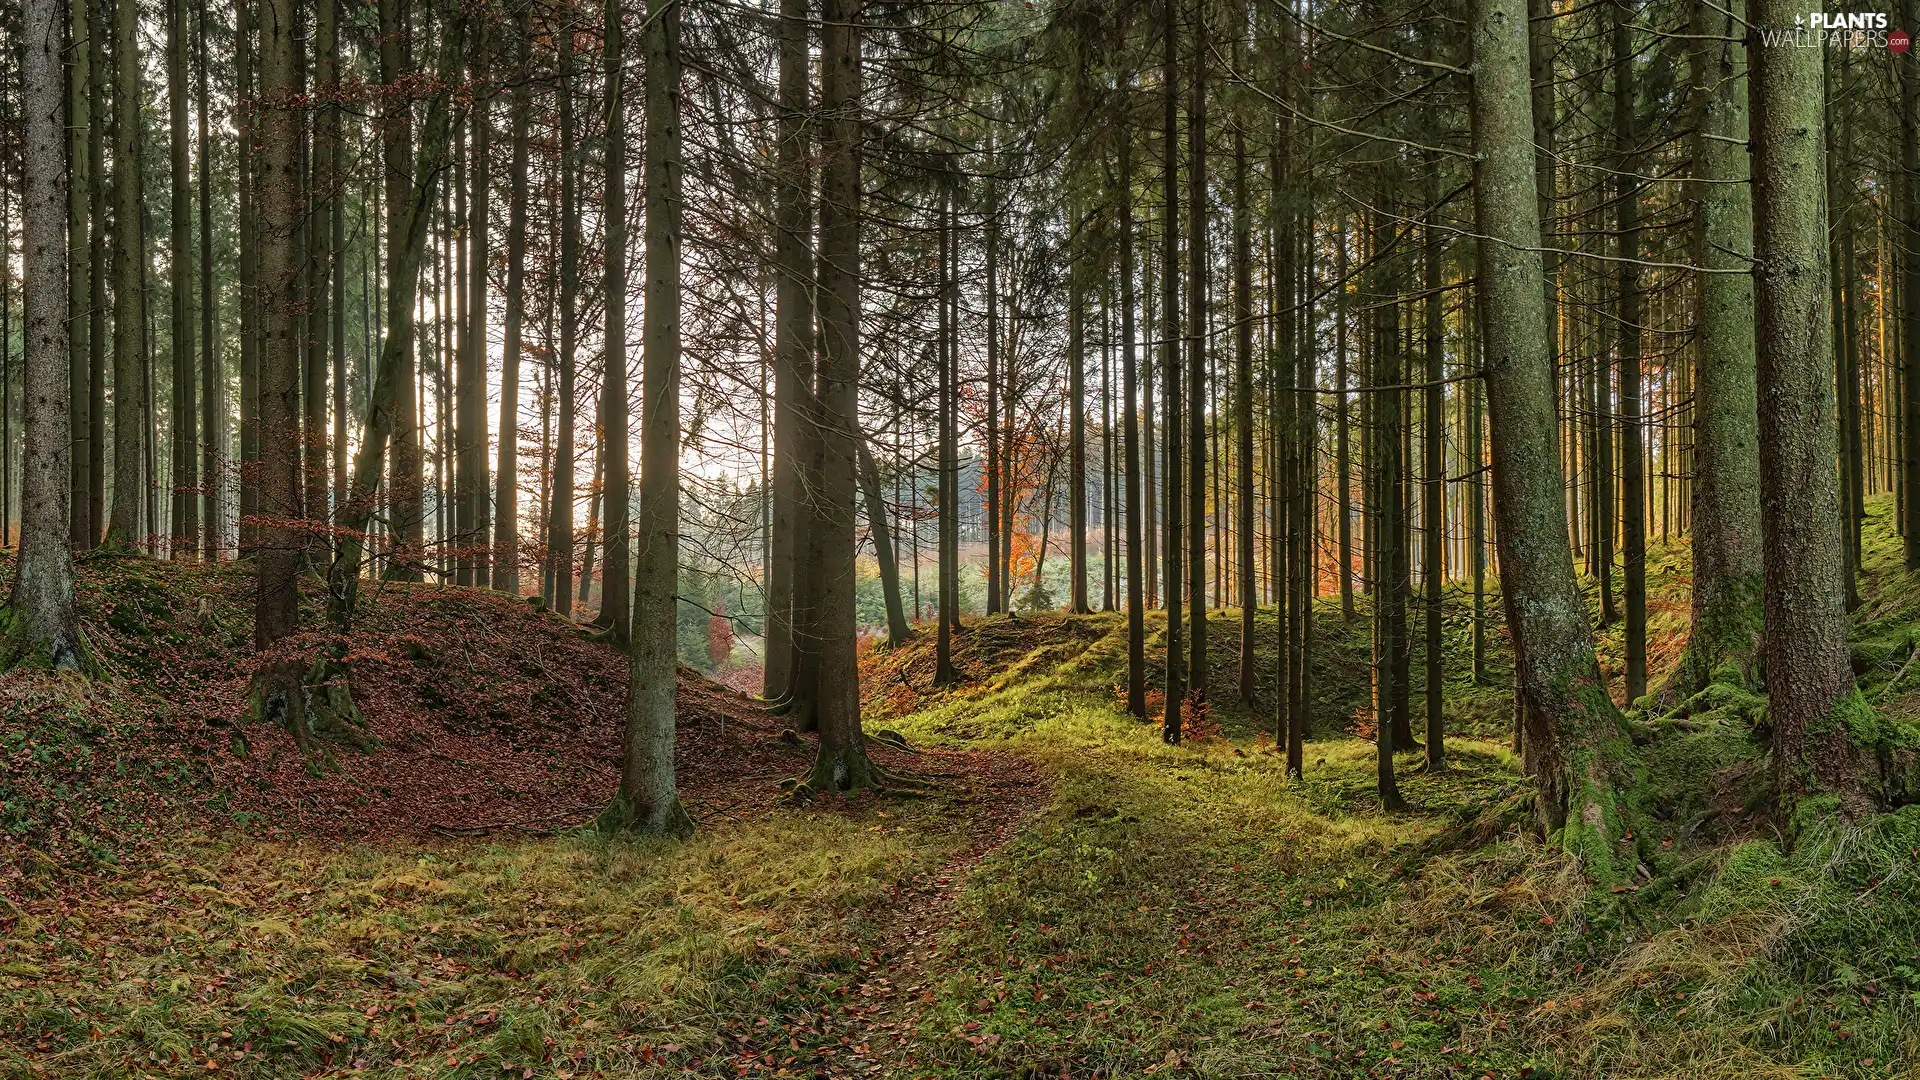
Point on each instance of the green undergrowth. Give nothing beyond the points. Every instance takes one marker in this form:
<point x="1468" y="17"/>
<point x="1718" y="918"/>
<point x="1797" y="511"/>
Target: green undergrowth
<point x="1190" y="911"/>
<point x="575" y="956"/>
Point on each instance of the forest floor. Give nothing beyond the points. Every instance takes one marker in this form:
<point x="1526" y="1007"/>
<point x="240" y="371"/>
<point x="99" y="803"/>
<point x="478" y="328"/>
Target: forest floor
<point x="1070" y="897"/>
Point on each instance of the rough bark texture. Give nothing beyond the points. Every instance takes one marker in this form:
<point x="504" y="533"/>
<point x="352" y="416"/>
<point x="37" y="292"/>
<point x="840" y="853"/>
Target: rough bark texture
<point x="842" y="763"/>
<point x="80" y="132"/>
<point x="793" y="345"/>
<point x="405" y="501"/>
<point x="125" y="526"/>
<point x="616" y="480"/>
<point x="560" y="523"/>
<point x="649" y="801"/>
<point x="1727" y="558"/>
<point x="506" y="480"/>
<point x="1196" y="342"/>
<point x="1176" y="684"/>
<point x="181" y="281"/>
<point x="1822" y="730"/>
<point x="1130" y="379"/>
<point x="40" y="625"/>
<point x="276" y="602"/>
<point x="1576" y="742"/>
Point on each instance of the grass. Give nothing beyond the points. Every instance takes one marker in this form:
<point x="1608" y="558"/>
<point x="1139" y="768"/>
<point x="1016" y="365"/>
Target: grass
<point x="568" y="956"/>
<point x="1173" y="911"/>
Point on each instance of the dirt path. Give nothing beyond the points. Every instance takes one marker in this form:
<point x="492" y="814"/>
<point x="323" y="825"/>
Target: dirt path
<point x="872" y="1029"/>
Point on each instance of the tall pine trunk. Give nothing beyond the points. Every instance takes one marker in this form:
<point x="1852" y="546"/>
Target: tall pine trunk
<point x="506" y="480"/>
<point x="1576" y="741"/>
<point x="126" y="526"/>
<point x="41" y="628"/>
<point x="649" y="800"/>
<point x="1822" y="729"/>
<point x="616" y="482"/>
<point x="1727" y="562"/>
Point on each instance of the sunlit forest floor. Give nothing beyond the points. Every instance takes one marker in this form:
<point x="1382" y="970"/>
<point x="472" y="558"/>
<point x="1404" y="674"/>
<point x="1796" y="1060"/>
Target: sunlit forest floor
<point x="1071" y="897"/>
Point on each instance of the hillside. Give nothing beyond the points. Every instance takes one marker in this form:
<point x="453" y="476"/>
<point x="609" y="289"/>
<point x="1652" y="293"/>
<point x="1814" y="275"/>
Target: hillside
<point x="1067" y="896"/>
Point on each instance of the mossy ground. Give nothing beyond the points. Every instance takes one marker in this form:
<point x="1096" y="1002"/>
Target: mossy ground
<point x="1172" y="911"/>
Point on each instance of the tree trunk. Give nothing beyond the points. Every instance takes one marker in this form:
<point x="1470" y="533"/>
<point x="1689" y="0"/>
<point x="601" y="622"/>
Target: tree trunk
<point x="560" y="538"/>
<point x="1196" y="342"/>
<point x="649" y="801"/>
<point x="82" y="135"/>
<point x="390" y="400"/>
<point x="1136" y="570"/>
<point x="1727" y="560"/>
<point x="1576" y="741"/>
<point x="475" y="560"/>
<point x="276" y="604"/>
<point x="41" y="627"/>
<point x="406" y="515"/>
<point x="792" y="348"/>
<point x="124" y="528"/>
<point x="616" y="480"/>
<point x="1243" y="411"/>
<point x="1823" y="732"/>
<point x="1170" y="365"/>
<point x="1433" y="511"/>
<point x="1626" y="206"/>
<point x="506" y="481"/>
<point x="213" y="381"/>
<point x="898" y="630"/>
<point x="842" y="763"/>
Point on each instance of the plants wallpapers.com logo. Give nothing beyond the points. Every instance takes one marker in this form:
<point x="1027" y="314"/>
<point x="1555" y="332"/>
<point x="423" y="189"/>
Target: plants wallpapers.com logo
<point x="1839" y="30"/>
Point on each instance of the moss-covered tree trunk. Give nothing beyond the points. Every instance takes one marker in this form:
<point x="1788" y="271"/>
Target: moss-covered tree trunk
<point x="1727" y="577"/>
<point x="1576" y="741"/>
<point x="649" y="801"/>
<point x="842" y="763"/>
<point x="1822" y="729"/>
<point x="41" y="626"/>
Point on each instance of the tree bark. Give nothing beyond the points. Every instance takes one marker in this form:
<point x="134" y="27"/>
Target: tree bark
<point x="475" y="562"/>
<point x="616" y="485"/>
<point x="1130" y="380"/>
<point x="126" y="528"/>
<point x="406" y="514"/>
<point x="1823" y="732"/>
<point x="82" y="134"/>
<point x="842" y="762"/>
<point x="649" y="800"/>
<point x="560" y="539"/>
<point x="42" y="629"/>
<point x="1728" y="571"/>
<point x="1196" y="342"/>
<point x="276" y="603"/>
<point x="506" y="481"/>
<point x="1576" y="741"/>
<point x="1171" y="724"/>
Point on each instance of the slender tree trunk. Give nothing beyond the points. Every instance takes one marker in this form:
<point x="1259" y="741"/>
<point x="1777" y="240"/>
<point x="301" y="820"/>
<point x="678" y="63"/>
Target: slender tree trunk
<point x="898" y="630"/>
<point x="842" y="762"/>
<point x="1576" y="741"/>
<point x="1728" y="575"/>
<point x="213" y="383"/>
<point x="1243" y="411"/>
<point x="1170" y="364"/>
<point x="1390" y="578"/>
<point x="41" y="627"/>
<point x="506" y="481"/>
<point x="1433" y="511"/>
<point x="1076" y="414"/>
<point x="1822" y="743"/>
<point x="1197" y="266"/>
<point x="322" y="266"/>
<point x="1633" y="542"/>
<point x="391" y="397"/>
<point x="82" y="132"/>
<point x="616" y="485"/>
<point x="406" y="502"/>
<point x="560" y="538"/>
<point x="124" y="529"/>
<point x="792" y="350"/>
<point x="1136" y="569"/>
<point x="944" y="349"/>
<point x="246" y="173"/>
<point x="1342" y="436"/>
<point x="475" y="561"/>
<point x="649" y="800"/>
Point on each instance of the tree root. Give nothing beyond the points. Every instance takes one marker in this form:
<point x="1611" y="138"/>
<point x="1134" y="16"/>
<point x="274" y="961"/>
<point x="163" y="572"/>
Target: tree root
<point x="313" y="702"/>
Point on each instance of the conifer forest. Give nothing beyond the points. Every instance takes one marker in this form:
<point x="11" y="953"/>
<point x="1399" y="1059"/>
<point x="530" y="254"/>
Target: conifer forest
<point x="997" y="539"/>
